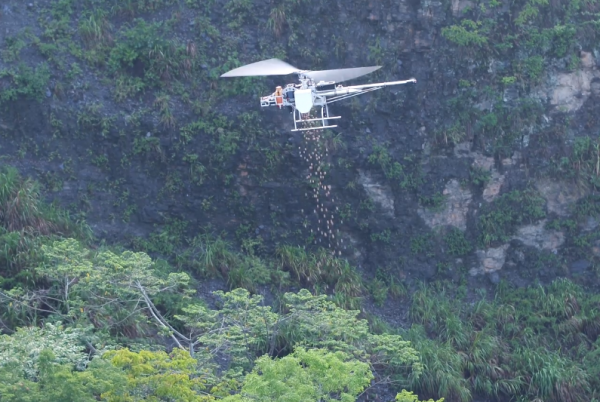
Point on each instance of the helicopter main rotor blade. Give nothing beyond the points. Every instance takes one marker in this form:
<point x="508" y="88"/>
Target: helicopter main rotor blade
<point x="265" y="67"/>
<point x="339" y="75"/>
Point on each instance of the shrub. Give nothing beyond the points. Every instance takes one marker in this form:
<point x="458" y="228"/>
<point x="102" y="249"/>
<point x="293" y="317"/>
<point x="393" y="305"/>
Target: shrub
<point x="25" y="82"/>
<point x="466" y="34"/>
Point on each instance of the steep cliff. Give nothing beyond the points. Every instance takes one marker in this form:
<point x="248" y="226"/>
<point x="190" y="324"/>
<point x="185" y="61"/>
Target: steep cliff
<point x="486" y="168"/>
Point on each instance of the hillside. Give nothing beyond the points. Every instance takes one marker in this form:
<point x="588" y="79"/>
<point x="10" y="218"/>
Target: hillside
<point x="461" y="213"/>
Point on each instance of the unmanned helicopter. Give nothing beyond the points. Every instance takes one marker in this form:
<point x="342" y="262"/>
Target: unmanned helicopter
<point x="316" y="89"/>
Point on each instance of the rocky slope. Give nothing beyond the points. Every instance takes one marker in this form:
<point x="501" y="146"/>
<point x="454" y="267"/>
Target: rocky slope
<point x="486" y="169"/>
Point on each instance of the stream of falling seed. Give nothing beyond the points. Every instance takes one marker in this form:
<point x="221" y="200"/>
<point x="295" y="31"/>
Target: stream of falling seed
<point x="315" y="152"/>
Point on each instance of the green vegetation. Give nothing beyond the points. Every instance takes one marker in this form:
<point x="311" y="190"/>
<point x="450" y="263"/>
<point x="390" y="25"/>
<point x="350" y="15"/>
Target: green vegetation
<point x="517" y="46"/>
<point x="581" y="164"/>
<point x="480" y="176"/>
<point x="530" y="342"/>
<point x="465" y="34"/>
<point x="456" y="242"/>
<point x="394" y="171"/>
<point x="117" y="106"/>
<point x="99" y="302"/>
<point x="421" y="244"/>
<point x="498" y="220"/>
<point x="25" y="82"/>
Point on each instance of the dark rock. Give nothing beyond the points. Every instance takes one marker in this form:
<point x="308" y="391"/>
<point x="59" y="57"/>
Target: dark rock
<point x="580" y="266"/>
<point x="150" y="215"/>
<point x="595" y="87"/>
<point x="494" y="277"/>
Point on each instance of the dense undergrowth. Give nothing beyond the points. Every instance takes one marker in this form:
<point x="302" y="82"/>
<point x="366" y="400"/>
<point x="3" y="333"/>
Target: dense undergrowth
<point x="99" y="317"/>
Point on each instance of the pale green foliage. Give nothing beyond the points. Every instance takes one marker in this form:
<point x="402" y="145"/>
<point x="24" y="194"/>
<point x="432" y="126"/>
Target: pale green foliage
<point x="59" y="382"/>
<point x="313" y="375"/>
<point x="156" y="376"/>
<point x="406" y="396"/>
<point x="468" y="33"/>
<point x="316" y="322"/>
<point x="248" y="323"/>
<point x="241" y="328"/>
<point x="244" y="328"/>
<point x="530" y="11"/>
<point x="114" y="290"/>
<point x="67" y="259"/>
<point x="21" y="350"/>
<point x="67" y="262"/>
<point x="110" y="290"/>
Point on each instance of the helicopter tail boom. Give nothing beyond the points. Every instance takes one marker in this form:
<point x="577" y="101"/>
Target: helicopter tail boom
<point x="356" y="89"/>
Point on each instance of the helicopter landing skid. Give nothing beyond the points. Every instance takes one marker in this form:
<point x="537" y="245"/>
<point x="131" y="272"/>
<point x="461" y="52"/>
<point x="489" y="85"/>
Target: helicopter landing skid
<point x="298" y="118"/>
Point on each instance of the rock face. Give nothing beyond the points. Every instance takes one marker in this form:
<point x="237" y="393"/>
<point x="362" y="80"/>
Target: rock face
<point x="559" y="195"/>
<point x="455" y="210"/>
<point x="492" y="188"/>
<point x="490" y="260"/>
<point x="458" y="6"/>
<point x="595" y="87"/>
<point x="381" y="194"/>
<point x="567" y="92"/>
<point x="539" y="237"/>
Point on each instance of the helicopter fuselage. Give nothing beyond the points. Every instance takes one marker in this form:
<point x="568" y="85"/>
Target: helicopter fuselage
<point x="321" y="93"/>
<point x="301" y="98"/>
<point x="286" y="96"/>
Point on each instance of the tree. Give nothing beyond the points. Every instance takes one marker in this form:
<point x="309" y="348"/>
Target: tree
<point x="157" y="376"/>
<point x="58" y="382"/>
<point x="109" y="290"/>
<point x="406" y="396"/>
<point x="244" y="329"/>
<point x="314" y="375"/>
<point x="21" y="351"/>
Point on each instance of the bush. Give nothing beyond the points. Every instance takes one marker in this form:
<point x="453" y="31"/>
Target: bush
<point x="143" y="51"/>
<point x="25" y="82"/>
<point x="456" y="242"/>
<point x="498" y="221"/>
<point x="465" y="34"/>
